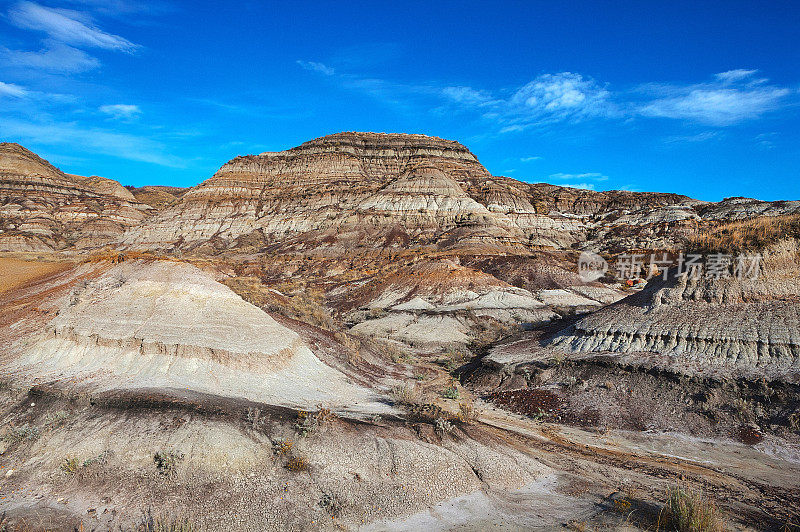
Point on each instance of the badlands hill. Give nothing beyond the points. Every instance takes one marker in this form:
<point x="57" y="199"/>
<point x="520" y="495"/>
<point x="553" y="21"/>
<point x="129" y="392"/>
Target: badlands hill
<point x="44" y="209"/>
<point x="370" y="331"/>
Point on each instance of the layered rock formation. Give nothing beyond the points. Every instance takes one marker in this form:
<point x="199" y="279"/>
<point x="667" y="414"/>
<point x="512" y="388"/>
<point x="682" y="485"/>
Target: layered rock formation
<point x="168" y="325"/>
<point x="44" y="209"/>
<point x="744" y="324"/>
<point x="394" y="190"/>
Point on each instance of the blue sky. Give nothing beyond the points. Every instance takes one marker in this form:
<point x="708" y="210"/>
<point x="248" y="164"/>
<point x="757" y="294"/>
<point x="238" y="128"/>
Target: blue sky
<point x="700" y="98"/>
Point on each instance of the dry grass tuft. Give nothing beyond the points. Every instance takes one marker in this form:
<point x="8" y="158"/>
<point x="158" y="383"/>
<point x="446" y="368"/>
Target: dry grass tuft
<point x="690" y="511"/>
<point x="166" y="523"/>
<point x="747" y="235"/>
<point x="406" y="394"/>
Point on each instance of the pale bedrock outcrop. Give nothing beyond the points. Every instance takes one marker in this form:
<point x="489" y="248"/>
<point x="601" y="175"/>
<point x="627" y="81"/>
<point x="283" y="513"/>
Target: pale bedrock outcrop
<point x="169" y="325"/>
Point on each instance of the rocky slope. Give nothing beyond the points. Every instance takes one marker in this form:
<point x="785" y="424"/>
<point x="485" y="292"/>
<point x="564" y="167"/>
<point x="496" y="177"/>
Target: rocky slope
<point x="44" y="209"/>
<point x="748" y="324"/>
<point x="168" y="325"/>
<point x="298" y="342"/>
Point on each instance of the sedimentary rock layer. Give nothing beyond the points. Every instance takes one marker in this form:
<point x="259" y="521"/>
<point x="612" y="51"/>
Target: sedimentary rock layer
<point x="168" y="325"/>
<point x="42" y="208"/>
<point x="705" y="321"/>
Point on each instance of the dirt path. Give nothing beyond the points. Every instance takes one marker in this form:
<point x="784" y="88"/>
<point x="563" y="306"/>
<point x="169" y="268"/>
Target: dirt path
<point x="621" y="466"/>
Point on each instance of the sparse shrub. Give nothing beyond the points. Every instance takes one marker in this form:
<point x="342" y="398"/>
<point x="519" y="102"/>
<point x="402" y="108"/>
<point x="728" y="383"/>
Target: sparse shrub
<point x="282" y="447"/>
<point x="690" y="511"/>
<point x="306" y="423"/>
<point x="70" y="466"/>
<point x="442" y="427"/>
<point x="420" y="376"/>
<point x="21" y="433"/>
<point x="56" y="418"/>
<point x="331" y="504"/>
<point x="385" y="350"/>
<point x="539" y="415"/>
<point x="296" y="464"/>
<point x="352" y="345"/>
<point x="324" y="415"/>
<point x="100" y="459"/>
<point x="467" y="413"/>
<point x="376" y="313"/>
<point x="253" y="417"/>
<point x="405" y="394"/>
<point x="746" y="235"/>
<point x="451" y="392"/>
<point x="5" y="386"/>
<point x="452" y="360"/>
<point x="166" y="523"/>
<point x="167" y="461"/>
<point x="622" y="505"/>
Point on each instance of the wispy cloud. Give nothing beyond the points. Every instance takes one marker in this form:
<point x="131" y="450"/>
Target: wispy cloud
<point x="58" y="57"/>
<point x="549" y="98"/>
<point x="591" y="176"/>
<point x="121" y="111"/>
<point x="71" y="135"/>
<point x="468" y="96"/>
<point x="732" y="97"/>
<point x="729" y="98"/>
<point x="10" y="89"/>
<point x="316" y="67"/>
<point x="66" y="26"/>
<point x="561" y="96"/>
<point x="697" y="137"/>
<point x="530" y="159"/>
<point x="732" y="76"/>
<point x="585" y="186"/>
<point x="765" y="141"/>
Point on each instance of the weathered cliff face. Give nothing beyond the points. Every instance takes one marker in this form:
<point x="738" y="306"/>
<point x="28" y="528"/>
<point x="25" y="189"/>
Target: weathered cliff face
<point x="747" y="325"/>
<point x="395" y="190"/>
<point x="349" y="187"/>
<point x="43" y="209"/>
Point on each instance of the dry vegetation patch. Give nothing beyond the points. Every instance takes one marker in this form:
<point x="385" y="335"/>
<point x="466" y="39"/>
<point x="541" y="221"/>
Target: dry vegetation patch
<point x="746" y="235"/>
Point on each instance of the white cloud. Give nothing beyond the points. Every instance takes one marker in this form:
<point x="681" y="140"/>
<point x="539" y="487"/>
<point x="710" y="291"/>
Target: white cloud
<point x="96" y="140"/>
<point x="561" y="96"/>
<point x="467" y="95"/>
<point x="548" y="98"/>
<point x="530" y="159"/>
<point x="66" y="26"/>
<point x="58" y="57"/>
<point x="592" y="176"/>
<point x="316" y="67"/>
<point x="9" y="89"/>
<point x="732" y="76"/>
<point x="585" y="186"/>
<point x="698" y="137"/>
<point x="121" y="111"/>
<point x="718" y="106"/>
<point x="732" y="97"/>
